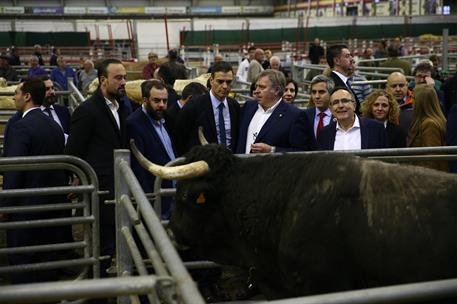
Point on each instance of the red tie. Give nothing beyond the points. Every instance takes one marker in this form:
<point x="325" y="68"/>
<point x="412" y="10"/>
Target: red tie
<point x="320" y="125"/>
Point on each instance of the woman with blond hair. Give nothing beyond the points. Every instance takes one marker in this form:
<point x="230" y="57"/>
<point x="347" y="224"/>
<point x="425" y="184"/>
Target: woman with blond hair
<point x="428" y="126"/>
<point x="383" y="107"/>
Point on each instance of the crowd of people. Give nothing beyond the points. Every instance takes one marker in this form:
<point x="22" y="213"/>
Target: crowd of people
<point x="166" y="125"/>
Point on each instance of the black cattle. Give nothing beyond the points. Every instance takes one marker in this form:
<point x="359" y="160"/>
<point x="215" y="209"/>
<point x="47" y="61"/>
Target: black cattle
<point x="319" y="223"/>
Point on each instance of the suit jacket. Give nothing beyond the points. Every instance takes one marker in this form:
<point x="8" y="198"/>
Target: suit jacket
<point x="64" y="116"/>
<point x="171" y="117"/>
<point x="199" y="112"/>
<point x="16" y="116"/>
<point x="94" y="135"/>
<point x="139" y="128"/>
<point x="395" y="135"/>
<point x="287" y="129"/>
<point x="339" y="83"/>
<point x="35" y="135"/>
<point x="372" y="134"/>
<point x="311" y="114"/>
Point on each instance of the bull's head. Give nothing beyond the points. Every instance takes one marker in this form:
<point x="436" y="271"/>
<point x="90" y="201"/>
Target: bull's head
<point x="198" y="217"/>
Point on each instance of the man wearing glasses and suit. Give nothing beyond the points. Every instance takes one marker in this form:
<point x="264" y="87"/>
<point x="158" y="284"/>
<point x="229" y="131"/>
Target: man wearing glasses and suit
<point x="214" y="111"/>
<point x="349" y="131"/>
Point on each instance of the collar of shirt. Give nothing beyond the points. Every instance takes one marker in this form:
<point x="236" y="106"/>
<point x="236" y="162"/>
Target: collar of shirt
<point x="269" y="110"/>
<point x="180" y="105"/>
<point x="343" y="78"/>
<point x="354" y="126"/>
<point x="215" y="102"/>
<point x="385" y="123"/>
<point x="50" y="107"/>
<point x="26" y="112"/>
<point x="327" y="112"/>
<point x="155" y="122"/>
<point x="112" y="105"/>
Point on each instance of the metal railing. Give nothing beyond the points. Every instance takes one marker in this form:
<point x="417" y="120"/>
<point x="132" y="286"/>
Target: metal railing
<point x="74" y="97"/>
<point x="87" y="192"/>
<point x="177" y="285"/>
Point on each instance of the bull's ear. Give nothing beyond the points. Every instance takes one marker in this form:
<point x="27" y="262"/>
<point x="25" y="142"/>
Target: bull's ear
<point x="201" y="198"/>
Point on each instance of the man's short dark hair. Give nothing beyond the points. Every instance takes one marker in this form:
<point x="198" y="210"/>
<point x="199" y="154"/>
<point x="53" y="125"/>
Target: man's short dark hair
<point x="193" y="89"/>
<point x="44" y="77"/>
<point x="424" y="67"/>
<point x="333" y="52"/>
<point x="164" y="72"/>
<point x="36" y="88"/>
<point x="393" y="51"/>
<point x="221" y="66"/>
<point x="172" y="54"/>
<point x="103" y="67"/>
<point x="147" y="85"/>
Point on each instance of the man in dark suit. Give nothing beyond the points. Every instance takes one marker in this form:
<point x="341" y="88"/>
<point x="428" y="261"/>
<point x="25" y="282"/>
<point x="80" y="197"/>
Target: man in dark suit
<point x="215" y="112"/>
<point x="192" y="90"/>
<point x="148" y="127"/>
<point x="98" y="127"/>
<point x="320" y="115"/>
<point x="342" y="63"/>
<point x="33" y="134"/>
<point x="350" y="132"/>
<point x="59" y="113"/>
<point x="271" y="125"/>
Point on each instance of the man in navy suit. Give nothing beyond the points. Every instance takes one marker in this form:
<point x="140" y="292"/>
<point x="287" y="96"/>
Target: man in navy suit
<point x="320" y="114"/>
<point x="342" y="63"/>
<point x="33" y="134"/>
<point x="270" y="124"/>
<point x="348" y="131"/>
<point x="215" y="112"/>
<point x="98" y="127"/>
<point x="59" y="113"/>
<point x="147" y="126"/>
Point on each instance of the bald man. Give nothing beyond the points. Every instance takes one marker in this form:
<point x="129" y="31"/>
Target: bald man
<point x="217" y="58"/>
<point x="397" y="85"/>
<point x="255" y="67"/>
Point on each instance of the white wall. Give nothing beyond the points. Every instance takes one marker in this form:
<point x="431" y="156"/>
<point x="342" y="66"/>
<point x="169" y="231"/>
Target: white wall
<point x="118" y="28"/>
<point x="5" y="26"/>
<point x="44" y="26"/>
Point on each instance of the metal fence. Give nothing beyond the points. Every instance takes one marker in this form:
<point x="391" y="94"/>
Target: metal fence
<point x="87" y="202"/>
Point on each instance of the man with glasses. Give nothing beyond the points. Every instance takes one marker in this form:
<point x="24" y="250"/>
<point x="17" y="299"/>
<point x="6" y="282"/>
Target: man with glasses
<point x="349" y="131"/>
<point x="214" y="111"/>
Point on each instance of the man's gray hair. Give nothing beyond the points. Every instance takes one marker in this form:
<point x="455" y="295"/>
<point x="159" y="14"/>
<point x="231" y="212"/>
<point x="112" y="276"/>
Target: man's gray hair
<point x="321" y="78"/>
<point x="276" y="78"/>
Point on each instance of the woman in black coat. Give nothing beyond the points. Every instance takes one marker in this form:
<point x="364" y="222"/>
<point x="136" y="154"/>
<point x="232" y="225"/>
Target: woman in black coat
<point x="382" y="106"/>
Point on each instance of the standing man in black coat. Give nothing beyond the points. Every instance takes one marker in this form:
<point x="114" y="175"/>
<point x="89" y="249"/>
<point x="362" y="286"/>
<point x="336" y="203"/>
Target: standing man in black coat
<point x="33" y="134"/>
<point x="215" y="112"/>
<point x="98" y="127"/>
<point x="342" y="63"/>
<point x="315" y="51"/>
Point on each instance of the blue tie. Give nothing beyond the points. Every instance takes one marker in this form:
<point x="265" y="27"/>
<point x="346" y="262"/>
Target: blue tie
<point x="223" y="137"/>
<point x="47" y="110"/>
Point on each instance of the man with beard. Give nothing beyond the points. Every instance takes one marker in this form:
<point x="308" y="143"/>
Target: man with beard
<point x="59" y="113"/>
<point x="98" y="127"/>
<point x="147" y="126"/>
<point x="342" y="63"/>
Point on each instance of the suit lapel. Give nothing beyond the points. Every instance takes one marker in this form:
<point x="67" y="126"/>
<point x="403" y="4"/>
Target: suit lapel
<point x="274" y="118"/>
<point x="147" y="125"/>
<point x="363" y="133"/>
<point x="210" y="131"/>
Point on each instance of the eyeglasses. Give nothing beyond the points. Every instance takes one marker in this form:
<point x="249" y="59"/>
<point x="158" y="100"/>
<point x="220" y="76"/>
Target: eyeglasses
<point x="344" y="101"/>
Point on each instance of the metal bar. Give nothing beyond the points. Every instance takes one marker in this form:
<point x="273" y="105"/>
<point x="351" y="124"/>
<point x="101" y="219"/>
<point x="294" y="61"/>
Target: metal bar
<point x="417" y="292"/>
<point x="47" y="265"/>
<point x="188" y="290"/>
<point x="55" y="291"/>
<point x="48" y="222"/>
<point x="414" y="158"/>
<point x="131" y="212"/>
<point x="41" y="248"/>
<point x="47" y="207"/>
<point x="74" y="89"/>
<point x="46" y="191"/>
<point x="201" y="265"/>
<point x="138" y="260"/>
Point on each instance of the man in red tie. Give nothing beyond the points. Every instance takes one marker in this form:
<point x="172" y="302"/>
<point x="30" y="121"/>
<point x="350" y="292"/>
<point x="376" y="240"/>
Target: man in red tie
<point x="318" y="111"/>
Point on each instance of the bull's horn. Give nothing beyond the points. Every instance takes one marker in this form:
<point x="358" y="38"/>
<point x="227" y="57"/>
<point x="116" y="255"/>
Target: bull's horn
<point x="201" y="136"/>
<point x="187" y="171"/>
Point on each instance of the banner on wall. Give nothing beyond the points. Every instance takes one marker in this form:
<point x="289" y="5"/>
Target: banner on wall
<point x="130" y="10"/>
<point x="72" y="10"/>
<point x="257" y="9"/>
<point x="177" y="10"/>
<point x="13" y="10"/>
<point x="56" y="10"/>
<point x="231" y="10"/>
<point x="206" y="10"/>
<point x="155" y="10"/>
<point x="102" y="10"/>
<point x="382" y="9"/>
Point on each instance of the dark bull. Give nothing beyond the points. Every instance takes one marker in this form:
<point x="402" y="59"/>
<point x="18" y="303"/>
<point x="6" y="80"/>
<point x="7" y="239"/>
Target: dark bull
<point x="316" y="223"/>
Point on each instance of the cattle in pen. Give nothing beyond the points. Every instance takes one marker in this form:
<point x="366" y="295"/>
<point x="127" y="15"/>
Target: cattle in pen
<point x="312" y="223"/>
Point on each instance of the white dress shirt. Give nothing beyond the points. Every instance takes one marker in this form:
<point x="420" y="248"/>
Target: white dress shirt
<point x="56" y="119"/>
<point x="258" y="120"/>
<point x="114" y="107"/>
<point x="350" y="139"/>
